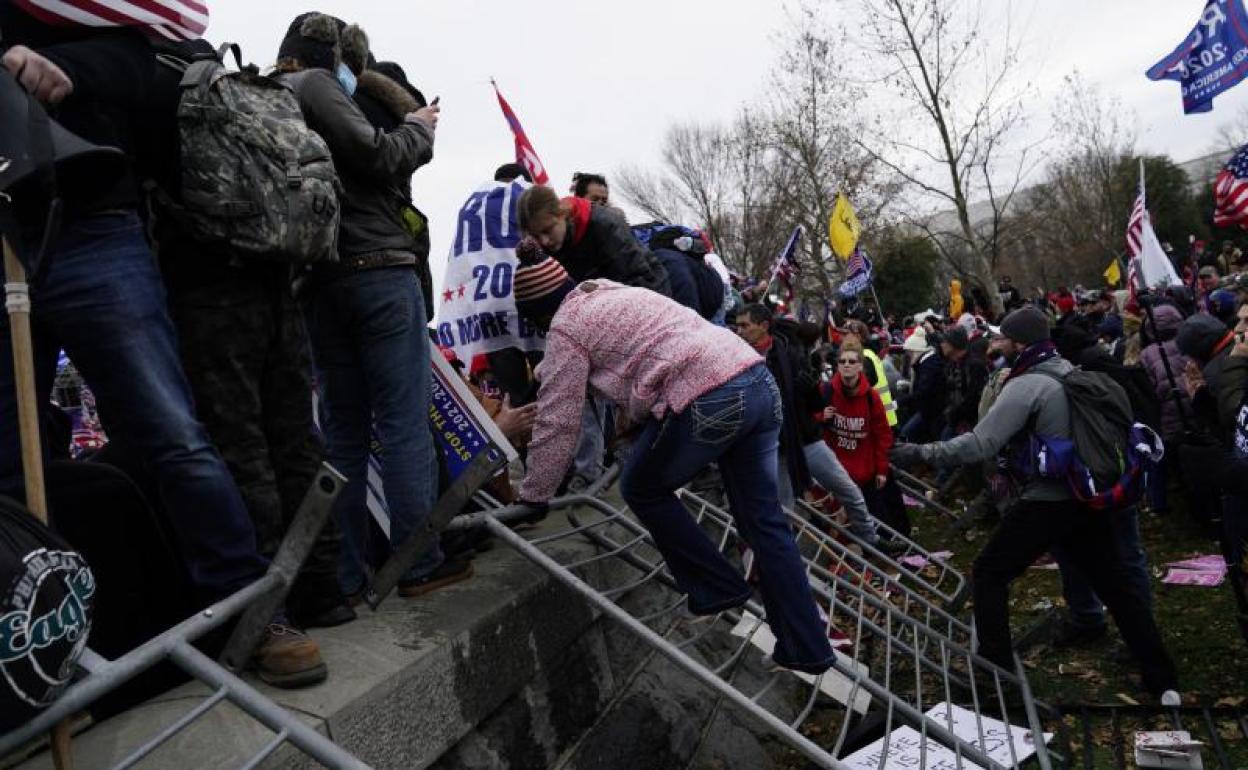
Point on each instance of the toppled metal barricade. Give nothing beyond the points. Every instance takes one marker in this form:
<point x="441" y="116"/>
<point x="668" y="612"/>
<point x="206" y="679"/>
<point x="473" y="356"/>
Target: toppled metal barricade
<point x="905" y="681"/>
<point x="256" y="603"/>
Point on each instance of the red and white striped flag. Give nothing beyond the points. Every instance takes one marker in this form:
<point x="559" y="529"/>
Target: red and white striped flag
<point x="1230" y="192"/>
<point x="1135" y="226"/>
<point x="525" y="154"/>
<point x="172" y="19"/>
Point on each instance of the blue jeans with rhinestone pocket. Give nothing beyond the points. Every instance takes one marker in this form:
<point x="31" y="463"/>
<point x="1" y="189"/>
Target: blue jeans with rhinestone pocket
<point x="737" y="425"/>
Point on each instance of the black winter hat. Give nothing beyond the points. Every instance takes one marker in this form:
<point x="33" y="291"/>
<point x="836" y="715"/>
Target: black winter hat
<point x="1026" y="326"/>
<point x="956" y="337"/>
<point x="1199" y="335"/>
<point x="312" y="39"/>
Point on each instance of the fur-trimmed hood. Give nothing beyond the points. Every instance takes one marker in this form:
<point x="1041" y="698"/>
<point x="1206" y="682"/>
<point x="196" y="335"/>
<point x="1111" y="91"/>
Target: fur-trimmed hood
<point x="390" y="93"/>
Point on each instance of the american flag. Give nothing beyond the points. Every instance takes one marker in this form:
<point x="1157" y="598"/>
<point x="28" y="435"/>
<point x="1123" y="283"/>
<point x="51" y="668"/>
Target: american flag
<point x="858" y="263"/>
<point x="786" y="263"/>
<point x="525" y="154"/>
<point x="1135" y="225"/>
<point x="1230" y="192"/>
<point x="172" y="19"/>
<point x="786" y="266"/>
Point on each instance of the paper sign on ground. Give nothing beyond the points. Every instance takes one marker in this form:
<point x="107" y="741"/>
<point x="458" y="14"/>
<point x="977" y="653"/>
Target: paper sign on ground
<point x="1194" y="577"/>
<point x="833" y="684"/>
<point x="918" y="561"/>
<point x="1211" y="562"/>
<point x="1172" y="749"/>
<point x="906" y="746"/>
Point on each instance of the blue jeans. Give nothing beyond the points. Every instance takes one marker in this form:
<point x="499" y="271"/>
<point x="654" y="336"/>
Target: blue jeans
<point x="371" y="353"/>
<point x="591" y="447"/>
<point x="827" y="471"/>
<point x="101" y="299"/>
<point x="738" y="425"/>
<point x="1085" y="606"/>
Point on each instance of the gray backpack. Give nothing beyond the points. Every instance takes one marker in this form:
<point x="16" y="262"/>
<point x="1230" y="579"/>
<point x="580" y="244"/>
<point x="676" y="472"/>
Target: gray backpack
<point x="255" y="178"/>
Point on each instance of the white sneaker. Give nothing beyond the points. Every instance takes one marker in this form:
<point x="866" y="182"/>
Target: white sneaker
<point x="1171" y="698"/>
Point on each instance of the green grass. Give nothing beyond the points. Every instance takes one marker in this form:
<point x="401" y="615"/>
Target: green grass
<point x="1197" y="623"/>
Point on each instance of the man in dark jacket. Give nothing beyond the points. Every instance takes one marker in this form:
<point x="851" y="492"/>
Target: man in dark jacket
<point x="366" y="314"/>
<point x="803" y="453"/>
<point x="100" y="297"/>
<point x="1033" y="400"/>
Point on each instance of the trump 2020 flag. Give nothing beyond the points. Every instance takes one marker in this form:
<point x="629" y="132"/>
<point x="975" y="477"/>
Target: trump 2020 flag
<point x="525" y="154"/>
<point x="1212" y="58"/>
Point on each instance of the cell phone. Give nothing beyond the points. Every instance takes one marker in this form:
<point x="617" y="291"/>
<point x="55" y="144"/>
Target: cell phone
<point x="436" y="99"/>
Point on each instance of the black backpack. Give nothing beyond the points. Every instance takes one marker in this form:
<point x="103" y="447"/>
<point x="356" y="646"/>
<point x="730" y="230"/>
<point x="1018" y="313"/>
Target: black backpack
<point x="46" y="601"/>
<point x="1105" y="458"/>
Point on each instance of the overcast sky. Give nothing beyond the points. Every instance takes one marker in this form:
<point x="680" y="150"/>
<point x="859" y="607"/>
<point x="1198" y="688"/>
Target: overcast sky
<point x="597" y="84"/>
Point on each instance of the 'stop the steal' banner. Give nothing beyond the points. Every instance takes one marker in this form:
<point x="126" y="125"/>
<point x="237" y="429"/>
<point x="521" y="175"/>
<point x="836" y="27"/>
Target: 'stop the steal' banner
<point x="1212" y="59"/>
<point x="460" y="425"/>
<point x="476" y="309"/>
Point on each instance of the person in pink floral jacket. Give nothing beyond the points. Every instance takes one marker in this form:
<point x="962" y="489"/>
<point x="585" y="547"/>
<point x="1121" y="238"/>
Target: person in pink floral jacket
<point x="700" y="395"/>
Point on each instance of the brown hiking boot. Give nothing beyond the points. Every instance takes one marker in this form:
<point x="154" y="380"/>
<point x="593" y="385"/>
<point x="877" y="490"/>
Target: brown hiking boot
<point x="448" y="572"/>
<point x="287" y="658"/>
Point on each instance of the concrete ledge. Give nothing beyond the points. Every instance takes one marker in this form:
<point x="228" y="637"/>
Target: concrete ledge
<point x="406" y="682"/>
<point x="510" y="670"/>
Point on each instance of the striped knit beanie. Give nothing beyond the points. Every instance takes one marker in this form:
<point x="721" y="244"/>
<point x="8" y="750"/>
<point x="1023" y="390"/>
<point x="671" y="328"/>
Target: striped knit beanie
<point x="540" y="287"/>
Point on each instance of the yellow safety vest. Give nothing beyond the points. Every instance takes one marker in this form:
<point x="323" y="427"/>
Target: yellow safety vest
<point x="881" y="387"/>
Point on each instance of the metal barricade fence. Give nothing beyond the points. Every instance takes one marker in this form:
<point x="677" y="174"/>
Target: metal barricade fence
<point x="904" y="662"/>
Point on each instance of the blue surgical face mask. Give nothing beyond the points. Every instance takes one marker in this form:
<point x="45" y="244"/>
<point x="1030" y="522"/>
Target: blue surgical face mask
<point x="347" y="78"/>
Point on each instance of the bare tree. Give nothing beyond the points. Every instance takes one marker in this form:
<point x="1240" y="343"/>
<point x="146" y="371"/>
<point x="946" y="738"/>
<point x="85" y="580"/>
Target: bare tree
<point x="1078" y="215"/>
<point x="813" y="133"/>
<point x="960" y="79"/>
<point x="719" y="179"/>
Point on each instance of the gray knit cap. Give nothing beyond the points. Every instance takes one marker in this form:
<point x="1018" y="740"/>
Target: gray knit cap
<point x="1026" y="326"/>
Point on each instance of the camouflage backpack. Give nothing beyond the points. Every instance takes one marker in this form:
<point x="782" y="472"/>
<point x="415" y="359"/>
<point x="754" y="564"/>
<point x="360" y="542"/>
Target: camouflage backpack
<point x="254" y="176"/>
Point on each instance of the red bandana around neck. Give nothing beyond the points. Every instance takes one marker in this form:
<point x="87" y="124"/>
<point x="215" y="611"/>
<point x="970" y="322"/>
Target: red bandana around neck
<point x="579" y="216"/>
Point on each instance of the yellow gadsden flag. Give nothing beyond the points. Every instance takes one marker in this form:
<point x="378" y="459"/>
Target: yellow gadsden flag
<point x="1113" y="274"/>
<point x="843" y="228"/>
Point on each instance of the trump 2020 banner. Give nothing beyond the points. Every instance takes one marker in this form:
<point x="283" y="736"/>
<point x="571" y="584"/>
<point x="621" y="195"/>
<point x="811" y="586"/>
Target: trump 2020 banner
<point x="1212" y="58"/>
<point x="461" y="427"/>
<point x="476" y="309"/>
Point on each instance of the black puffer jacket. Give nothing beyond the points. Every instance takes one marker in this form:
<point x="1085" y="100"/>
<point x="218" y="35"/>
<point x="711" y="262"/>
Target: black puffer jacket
<point x="371" y="163"/>
<point x="693" y="283"/>
<point x="609" y="250"/>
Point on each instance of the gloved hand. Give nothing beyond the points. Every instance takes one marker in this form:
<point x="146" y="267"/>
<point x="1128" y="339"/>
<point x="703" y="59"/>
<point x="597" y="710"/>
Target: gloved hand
<point x="906" y="455"/>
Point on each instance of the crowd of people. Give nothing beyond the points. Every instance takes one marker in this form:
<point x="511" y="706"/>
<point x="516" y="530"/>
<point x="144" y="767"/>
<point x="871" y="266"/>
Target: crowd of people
<point x="203" y="360"/>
